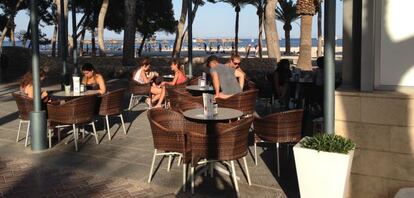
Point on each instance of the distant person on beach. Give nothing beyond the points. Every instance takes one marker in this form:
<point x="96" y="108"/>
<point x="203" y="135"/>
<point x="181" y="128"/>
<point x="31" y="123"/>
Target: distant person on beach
<point x="160" y="47"/>
<point x="179" y="77"/>
<point x="92" y="79"/>
<point x="211" y="47"/>
<point x="218" y="48"/>
<point x="232" y="46"/>
<point x="140" y="75"/>
<point x="281" y="77"/>
<point x="26" y="85"/>
<point x="224" y="78"/>
<point x="205" y="46"/>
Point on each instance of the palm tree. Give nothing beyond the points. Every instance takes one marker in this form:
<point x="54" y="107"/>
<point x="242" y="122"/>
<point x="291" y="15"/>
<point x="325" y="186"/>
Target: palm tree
<point x="272" y="37"/>
<point x="286" y="13"/>
<point x="306" y="8"/>
<point x="259" y="4"/>
<point x="319" y="51"/>
<point x="237" y="4"/>
<point x="101" y="23"/>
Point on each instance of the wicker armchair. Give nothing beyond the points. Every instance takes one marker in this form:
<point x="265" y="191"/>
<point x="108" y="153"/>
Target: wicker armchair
<point x="111" y="105"/>
<point x="24" y="105"/>
<point x="194" y="80"/>
<point x="243" y="101"/>
<point x="75" y="113"/>
<point x="227" y="143"/>
<point x="278" y="128"/>
<point x="168" y="134"/>
<point x="138" y="91"/>
<point x="249" y="85"/>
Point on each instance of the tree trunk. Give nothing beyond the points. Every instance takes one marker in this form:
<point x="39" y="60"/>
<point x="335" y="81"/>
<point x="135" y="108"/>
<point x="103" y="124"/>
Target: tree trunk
<point x="101" y="23"/>
<point x="81" y="42"/>
<point x="305" y="56"/>
<point x="272" y="37"/>
<point x="180" y="29"/>
<point x="287" y="28"/>
<point x="93" y="42"/>
<point x="260" y="37"/>
<point x="236" y="36"/>
<point x="59" y="37"/>
<point x="53" y="40"/>
<point x="144" y="37"/>
<point x="128" y="53"/>
<point x="25" y="36"/>
<point x="319" y="51"/>
<point x="185" y="34"/>
<point x="12" y="39"/>
<point x="9" y="22"/>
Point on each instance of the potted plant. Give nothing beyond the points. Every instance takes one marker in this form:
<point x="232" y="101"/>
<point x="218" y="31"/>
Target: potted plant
<point x="323" y="165"/>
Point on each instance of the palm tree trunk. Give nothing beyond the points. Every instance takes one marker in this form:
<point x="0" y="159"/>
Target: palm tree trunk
<point x="272" y="37"/>
<point x="129" y="33"/>
<point x="12" y="39"/>
<point x="82" y="39"/>
<point x="305" y="56"/>
<point x="101" y="23"/>
<point x="24" y="41"/>
<point x="144" y="37"/>
<point x="59" y="37"/>
<point x="53" y="40"/>
<point x="193" y="13"/>
<point x="180" y="29"/>
<point x="93" y="41"/>
<point x="260" y="37"/>
<point x="9" y="22"/>
<point x="287" y="38"/>
<point x="319" y="51"/>
<point x="236" y="36"/>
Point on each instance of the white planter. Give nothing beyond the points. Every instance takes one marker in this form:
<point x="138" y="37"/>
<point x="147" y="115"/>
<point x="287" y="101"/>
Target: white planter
<point x="322" y="174"/>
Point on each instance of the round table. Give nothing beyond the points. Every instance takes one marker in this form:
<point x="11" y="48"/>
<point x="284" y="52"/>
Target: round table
<point x="223" y="114"/>
<point x="197" y="88"/>
<point x="71" y="94"/>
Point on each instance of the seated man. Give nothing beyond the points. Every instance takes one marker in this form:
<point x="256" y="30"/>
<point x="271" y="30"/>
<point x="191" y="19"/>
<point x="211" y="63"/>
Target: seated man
<point x="234" y="63"/>
<point x="224" y="78"/>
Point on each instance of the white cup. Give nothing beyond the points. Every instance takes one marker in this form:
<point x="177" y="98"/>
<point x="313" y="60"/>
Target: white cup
<point x="67" y="89"/>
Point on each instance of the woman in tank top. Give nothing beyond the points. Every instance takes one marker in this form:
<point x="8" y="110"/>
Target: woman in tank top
<point x="179" y="77"/>
<point x="92" y="80"/>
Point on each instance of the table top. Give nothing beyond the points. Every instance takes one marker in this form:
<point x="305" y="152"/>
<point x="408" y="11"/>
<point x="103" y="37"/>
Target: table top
<point x="198" y="88"/>
<point x="168" y="76"/>
<point x="223" y="114"/>
<point x="72" y="94"/>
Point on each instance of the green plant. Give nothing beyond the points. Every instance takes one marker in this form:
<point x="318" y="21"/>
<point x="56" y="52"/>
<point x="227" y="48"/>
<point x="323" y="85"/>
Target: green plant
<point x="329" y="143"/>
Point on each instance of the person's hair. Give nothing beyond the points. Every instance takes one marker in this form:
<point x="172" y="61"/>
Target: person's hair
<point x="235" y="56"/>
<point x="145" y="61"/>
<point x="320" y="62"/>
<point x="88" y="67"/>
<point x="211" y="59"/>
<point x="28" y="78"/>
<point x="175" y="61"/>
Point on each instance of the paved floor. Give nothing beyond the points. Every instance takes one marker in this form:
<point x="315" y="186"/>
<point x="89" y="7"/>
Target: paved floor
<point x="120" y="167"/>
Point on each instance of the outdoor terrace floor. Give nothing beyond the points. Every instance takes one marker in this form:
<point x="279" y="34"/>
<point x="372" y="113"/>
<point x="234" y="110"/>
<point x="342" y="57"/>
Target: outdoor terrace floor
<point x="119" y="168"/>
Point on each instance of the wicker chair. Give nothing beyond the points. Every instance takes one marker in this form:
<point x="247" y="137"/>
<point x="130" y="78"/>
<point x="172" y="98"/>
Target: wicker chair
<point x="24" y="105"/>
<point x="194" y="80"/>
<point x="111" y="105"/>
<point x="76" y="112"/>
<point x="249" y="85"/>
<point x="168" y="134"/>
<point x="278" y="128"/>
<point x="227" y="143"/>
<point x="243" y="101"/>
<point x="138" y="91"/>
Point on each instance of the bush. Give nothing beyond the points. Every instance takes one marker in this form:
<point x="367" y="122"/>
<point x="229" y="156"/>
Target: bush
<point x="329" y="143"/>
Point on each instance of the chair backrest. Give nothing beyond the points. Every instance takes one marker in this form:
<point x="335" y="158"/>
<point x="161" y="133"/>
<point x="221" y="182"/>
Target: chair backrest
<point x="111" y="102"/>
<point x="249" y="85"/>
<point x="138" y="88"/>
<point x="167" y="129"/>
<point x="194" y="80"/>
<point x="24" y="105"/>
<point x="229" y="141"/>
<point x="280" y="127"/>
<point x="244" y="101"/>
<point x="77" y="111"/>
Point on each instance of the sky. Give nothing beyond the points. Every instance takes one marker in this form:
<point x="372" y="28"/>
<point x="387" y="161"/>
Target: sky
<point x="212" y="21"/>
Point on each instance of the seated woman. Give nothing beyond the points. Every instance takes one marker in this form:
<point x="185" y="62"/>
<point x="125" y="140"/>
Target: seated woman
<point x="92" y="80"/>
<point x="26" y="85"/>
<point x="179" y="77"/>
<point x="281" y="77"/>
<point x="157" y="91"/>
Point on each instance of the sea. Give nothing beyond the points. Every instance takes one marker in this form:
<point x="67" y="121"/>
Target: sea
<point x="168" y="44"/>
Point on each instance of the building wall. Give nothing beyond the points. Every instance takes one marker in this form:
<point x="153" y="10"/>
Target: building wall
<point x="382" y="126"/>
<point x="396" y="59"/>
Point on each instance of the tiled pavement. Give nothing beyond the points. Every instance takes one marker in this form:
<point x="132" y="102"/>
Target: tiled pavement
<point x="125" y="159"/>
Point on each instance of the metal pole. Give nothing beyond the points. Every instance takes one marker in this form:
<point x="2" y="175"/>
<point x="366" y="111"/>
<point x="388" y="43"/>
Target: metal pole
<point x="190" y="38"/>
<point x="329" y="82"/>
<point x="37" y="116"/>
<point x="64" y="43"/>
<point x="75" y="40"/>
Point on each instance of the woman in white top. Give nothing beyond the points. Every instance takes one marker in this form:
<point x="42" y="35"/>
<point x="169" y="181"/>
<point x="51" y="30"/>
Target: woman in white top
<point x="158" y="92"/>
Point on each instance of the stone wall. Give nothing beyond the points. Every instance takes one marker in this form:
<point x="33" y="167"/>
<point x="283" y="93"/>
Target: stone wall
<point x="382" y="126"/>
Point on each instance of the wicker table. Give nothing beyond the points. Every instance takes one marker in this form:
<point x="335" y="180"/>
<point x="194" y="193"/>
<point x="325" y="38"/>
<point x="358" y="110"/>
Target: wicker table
<point x="224" y="114"/>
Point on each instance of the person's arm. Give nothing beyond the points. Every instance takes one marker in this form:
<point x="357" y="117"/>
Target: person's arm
<point x="29" y="91"/>
<point x="216" y="83"/>
<point x="174" y="81"/>
<point x="144" y="77"/>
<point x="241" y="76"/>
<point x="101" y="81"/>
<point x="276" y="84"/>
